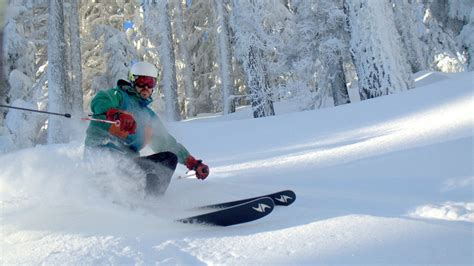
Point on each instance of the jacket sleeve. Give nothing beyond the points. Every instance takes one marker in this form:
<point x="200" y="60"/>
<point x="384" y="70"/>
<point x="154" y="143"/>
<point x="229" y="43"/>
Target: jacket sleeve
<point x="163" y="141"/>
<point x="103" y="101"/>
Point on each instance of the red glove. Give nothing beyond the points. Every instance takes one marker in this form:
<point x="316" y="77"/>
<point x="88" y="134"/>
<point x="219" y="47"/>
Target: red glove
<point x="202" y="170"/>
<point x="127" y="122"/>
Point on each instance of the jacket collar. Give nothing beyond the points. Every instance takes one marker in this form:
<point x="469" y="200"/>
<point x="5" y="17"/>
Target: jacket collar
<point x="130" y="90"/>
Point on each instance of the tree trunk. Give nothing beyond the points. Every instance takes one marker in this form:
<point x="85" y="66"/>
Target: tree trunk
<point x="190" y="101"/>
<point x="57" y="132"/>
<point x="337" y="82"/>
<point x="408" y="23"/>
<point x="170" y="84"/>
<point x="67" y="60"/>
<point x="4" y="89"/>
<point x="76" y="64"/>
<point x="225" y="60"/>
<point x="258" y="85"/>
<point x="381" y="67"/>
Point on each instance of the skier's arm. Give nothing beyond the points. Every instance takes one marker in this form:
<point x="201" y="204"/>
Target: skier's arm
<point x="163" y="141"/>
<point x="105" y="106"/>
<point x="104" y="100"/>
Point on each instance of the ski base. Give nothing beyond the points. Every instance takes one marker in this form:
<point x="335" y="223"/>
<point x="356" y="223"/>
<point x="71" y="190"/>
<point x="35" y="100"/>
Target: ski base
<point x="237" y="214"/>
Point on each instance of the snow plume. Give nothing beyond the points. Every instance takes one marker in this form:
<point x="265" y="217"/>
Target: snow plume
<point x="64" y="178"/>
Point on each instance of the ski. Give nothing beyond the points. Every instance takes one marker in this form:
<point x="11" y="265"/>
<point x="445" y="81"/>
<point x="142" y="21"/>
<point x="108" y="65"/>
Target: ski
<point x="238" y="214"/>
<point x="280" y="198"/>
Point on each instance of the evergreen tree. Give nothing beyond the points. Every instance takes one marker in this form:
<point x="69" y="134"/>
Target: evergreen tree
<point x="185" y="65"/>
<point x="57" y="99"/>
<point x="20" y="71"/>
<point x="225" y="60"/>
<point x="250" y="44"/>
<point x="441" y="50"/>
<point x="108" y="50"/>
<point x="321" y="45"/>
<point x="18" y="56"/>
<point x="333" y="41"/>
<point x="467" y="39"/>
<point x="200" y="26"/>
<point x="159" y="28"/>
<point x="409" y="20"/>
<point x="75" y="60"/>
<point x="380" y="64"/>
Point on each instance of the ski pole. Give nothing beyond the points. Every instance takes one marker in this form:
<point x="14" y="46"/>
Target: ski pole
<point x="36" y="111"/>
<point x="186" y="175"/>
<point x="117" y="123"/>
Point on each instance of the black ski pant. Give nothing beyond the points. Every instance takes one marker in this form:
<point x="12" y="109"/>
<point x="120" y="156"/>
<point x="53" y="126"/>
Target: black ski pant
<point x="159" y="169"/>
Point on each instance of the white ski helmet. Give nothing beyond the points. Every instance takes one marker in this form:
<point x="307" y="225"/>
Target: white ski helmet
<point x="143" y="69"/>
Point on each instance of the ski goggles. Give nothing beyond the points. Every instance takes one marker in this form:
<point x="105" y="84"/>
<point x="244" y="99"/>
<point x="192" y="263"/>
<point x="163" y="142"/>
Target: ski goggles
<point x="145" y="81"/>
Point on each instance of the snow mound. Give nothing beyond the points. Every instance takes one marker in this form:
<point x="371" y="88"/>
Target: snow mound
<point x="424" y="78"/>
<point x="450" y="211"/>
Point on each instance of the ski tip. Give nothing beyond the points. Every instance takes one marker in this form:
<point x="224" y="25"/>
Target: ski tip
<point x="284" y="198"/>
<point x="264" y="205"/>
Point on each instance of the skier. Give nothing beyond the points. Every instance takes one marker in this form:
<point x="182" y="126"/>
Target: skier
<point x="137" y="127"/>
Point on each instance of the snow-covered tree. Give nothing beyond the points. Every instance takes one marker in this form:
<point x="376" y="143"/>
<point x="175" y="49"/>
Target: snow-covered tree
<point x="225" y="61"/>
<point x="450" y="15"/>
<point x="320" y="46"/>
<point x="409" y="21"/>
<point x="381" y="67"/>
<point x="249" y="48"/>
<point x="302" y="57"/>
<point x="19" y="70"/>
<point x="119" y="54"/>
<point x="467" y="39"/>
<point x="107" y="51"/>
<point x="159" y="31"/>
<point x="214" y="54"/>
<point x="91" y="16"/>
<point x="184" y="62"/>
<point x="75" y="59"/>
<point x="24" y="127"/>
<point x="57" y="131"/>
<point x="333" y="43"/>
<point x="334" y="77"/>
<point x="18" y="56"/>
<point x="441" y="50"/>
<point x="278" y="28"/>
<point x="200" y="26"/>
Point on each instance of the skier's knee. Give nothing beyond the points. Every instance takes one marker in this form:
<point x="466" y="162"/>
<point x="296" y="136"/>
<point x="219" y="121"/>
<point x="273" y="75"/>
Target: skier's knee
<point x="171" y="159"/>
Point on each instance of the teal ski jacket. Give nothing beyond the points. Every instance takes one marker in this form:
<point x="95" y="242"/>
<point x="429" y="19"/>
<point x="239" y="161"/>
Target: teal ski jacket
<point x="150" y="130"/>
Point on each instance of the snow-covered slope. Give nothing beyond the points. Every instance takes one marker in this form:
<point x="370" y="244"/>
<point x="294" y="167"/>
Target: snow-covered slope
<point x="388" y="180"/>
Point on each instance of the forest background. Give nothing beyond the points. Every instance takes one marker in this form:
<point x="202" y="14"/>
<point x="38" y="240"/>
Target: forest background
<point x="215" y="56"/>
